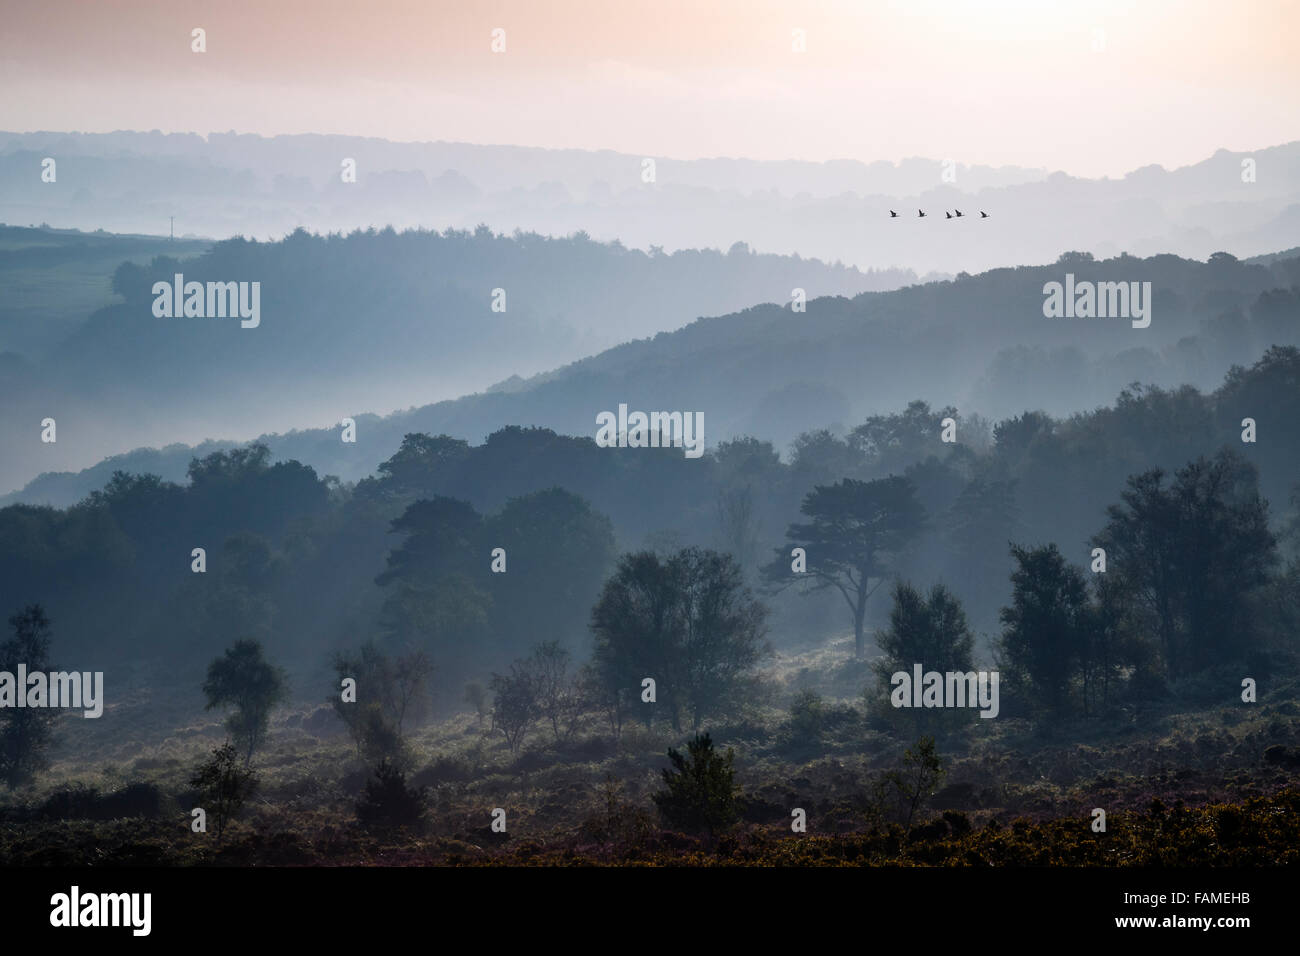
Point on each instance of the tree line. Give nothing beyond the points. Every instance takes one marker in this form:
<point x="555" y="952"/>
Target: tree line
<point x="303" y="563"/>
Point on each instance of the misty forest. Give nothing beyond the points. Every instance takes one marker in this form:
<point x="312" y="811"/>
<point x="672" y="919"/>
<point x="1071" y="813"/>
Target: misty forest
<point x="354" y="576"/>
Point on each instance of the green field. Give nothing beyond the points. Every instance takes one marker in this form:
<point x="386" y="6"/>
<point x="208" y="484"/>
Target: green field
<point x="53" y="279"/>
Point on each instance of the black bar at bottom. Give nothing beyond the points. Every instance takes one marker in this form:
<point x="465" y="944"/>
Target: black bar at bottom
<point x="332" y="905"/>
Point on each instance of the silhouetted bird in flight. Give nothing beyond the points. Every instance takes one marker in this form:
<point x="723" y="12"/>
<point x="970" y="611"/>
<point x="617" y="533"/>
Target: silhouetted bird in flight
<point x="892" y="214"/>
<point x="983" y="214"/>
<point x="920" y="214"/>
<point x="947" y="215"/>
<point x="958" y="212"/>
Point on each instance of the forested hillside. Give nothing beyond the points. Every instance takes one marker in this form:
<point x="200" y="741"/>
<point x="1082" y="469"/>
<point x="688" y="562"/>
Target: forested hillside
<point x="364" y="323"/>
<point x="978" y="343"/>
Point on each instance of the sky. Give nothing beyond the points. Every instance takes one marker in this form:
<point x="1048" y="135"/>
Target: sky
<point x="1091" y="88"/>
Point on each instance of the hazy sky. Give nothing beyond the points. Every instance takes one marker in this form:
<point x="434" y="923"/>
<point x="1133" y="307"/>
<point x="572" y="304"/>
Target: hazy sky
<point x="1000" y="82"/>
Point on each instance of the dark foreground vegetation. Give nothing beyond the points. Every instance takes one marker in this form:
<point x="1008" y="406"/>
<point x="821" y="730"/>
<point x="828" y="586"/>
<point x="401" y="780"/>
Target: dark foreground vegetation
<point x="1206" y="786"/>
<point x="1254" y="831"/>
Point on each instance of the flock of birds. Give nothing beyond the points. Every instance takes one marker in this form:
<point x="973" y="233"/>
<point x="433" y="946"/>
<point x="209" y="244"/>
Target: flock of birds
<point x="955" y="214"/>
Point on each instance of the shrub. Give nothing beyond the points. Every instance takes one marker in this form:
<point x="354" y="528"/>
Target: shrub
<point x="77" y="802"/>
<point x="701" y="794"/>
<point x="617" y="822"/>
<point x="134" y="800"/>
<point x="445" y="770"/>
<point x="388" y="803"/>
<point x="807" y="718"/>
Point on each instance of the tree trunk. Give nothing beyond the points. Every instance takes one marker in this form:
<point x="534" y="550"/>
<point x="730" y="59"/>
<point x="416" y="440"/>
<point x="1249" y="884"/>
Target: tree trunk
<point x="859" y="613"/>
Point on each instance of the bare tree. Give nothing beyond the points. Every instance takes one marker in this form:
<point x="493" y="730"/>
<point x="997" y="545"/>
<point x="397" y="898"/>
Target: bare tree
<point x="514" y="704"/>
<point x="559" y="694"/>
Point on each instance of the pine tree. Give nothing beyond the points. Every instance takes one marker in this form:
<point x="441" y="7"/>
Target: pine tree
<point x="701" y="794"/>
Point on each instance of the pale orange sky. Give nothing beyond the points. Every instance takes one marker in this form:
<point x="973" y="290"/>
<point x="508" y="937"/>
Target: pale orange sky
<point x="999" y="82"/>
